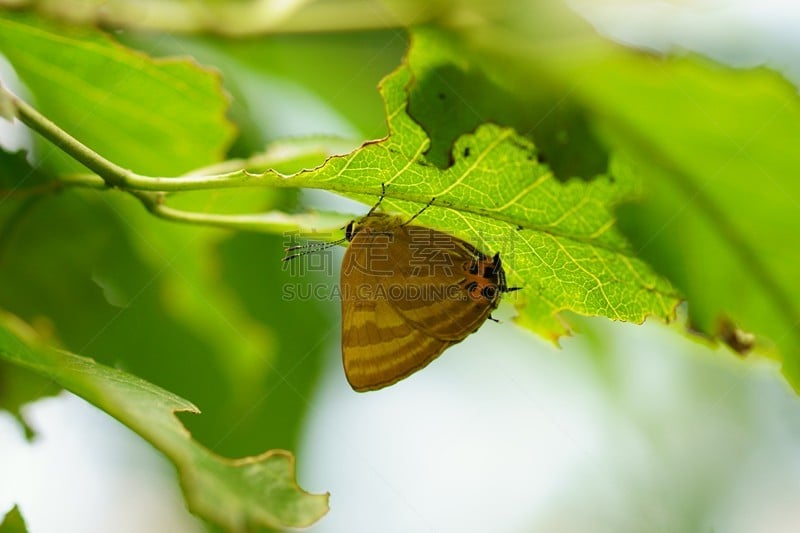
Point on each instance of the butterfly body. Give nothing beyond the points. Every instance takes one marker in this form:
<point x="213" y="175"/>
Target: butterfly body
<point x="409" y="293"/>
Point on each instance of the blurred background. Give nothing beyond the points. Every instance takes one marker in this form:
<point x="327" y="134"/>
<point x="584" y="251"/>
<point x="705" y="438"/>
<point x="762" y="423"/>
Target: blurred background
<point x="625" y="428"/>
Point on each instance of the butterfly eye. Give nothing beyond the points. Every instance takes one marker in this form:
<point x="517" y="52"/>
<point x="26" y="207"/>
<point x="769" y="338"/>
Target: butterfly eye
<point x="349" y="232"/>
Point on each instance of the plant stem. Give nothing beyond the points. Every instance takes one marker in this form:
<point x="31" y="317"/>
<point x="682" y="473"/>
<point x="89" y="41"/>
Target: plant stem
<point x="113" y="175"/>
<point x="151" y="191"/>
<point x="271" y="222"/>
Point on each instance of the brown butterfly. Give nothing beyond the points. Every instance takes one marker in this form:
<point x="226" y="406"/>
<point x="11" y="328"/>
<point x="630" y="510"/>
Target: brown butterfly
<point x="409" y="293"/>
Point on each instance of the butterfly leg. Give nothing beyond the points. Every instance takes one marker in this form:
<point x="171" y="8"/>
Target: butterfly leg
<point x="418" y="213"/>
<point x="383" y="194"/>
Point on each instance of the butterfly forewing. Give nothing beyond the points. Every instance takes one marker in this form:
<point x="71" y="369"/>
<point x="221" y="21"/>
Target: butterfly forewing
<point x="406" y="298"/>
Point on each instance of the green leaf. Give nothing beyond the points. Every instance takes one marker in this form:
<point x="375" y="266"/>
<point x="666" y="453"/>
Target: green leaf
<point x="158" y="117"/>
<point x="558" y="240"/>
<point x="236" y="494"/>
<point x="714" y="148"/>
<point x="13" y="522"/>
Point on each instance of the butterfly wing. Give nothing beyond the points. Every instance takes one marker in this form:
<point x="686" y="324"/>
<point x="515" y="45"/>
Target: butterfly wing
<point x="398" y="313"/>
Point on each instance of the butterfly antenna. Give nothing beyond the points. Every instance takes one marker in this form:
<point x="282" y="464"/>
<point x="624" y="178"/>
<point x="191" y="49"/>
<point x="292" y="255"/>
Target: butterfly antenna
<point x="310" y="246"/>
<point x="307" y="249"/>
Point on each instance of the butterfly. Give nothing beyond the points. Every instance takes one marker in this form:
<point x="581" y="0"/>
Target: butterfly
<point x="408" y="293"/>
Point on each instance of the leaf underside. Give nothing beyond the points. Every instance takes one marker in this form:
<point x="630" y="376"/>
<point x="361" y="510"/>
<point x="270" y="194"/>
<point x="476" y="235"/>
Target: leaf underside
<point x="557" y="239"/>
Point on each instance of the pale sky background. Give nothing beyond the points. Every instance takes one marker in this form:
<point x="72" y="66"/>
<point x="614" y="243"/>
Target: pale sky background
<point x="504" y="432"/>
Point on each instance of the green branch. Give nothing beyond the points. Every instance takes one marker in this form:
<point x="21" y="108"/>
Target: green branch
<point x="112" y="175"/>
<point x="151" y="191"/>
<point x="270" y="222"/>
